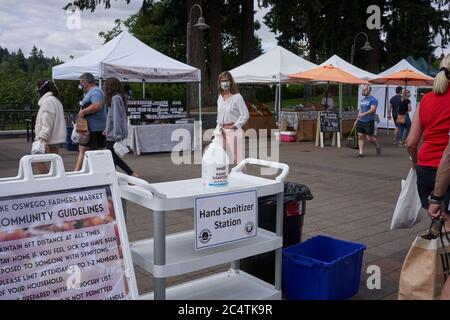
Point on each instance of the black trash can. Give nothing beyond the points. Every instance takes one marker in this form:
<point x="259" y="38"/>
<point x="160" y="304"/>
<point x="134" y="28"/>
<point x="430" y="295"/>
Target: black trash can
<point x="295" y="197"/>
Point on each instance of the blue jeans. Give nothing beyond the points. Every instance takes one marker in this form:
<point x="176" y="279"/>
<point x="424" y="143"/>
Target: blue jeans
<point x="403" y="130"/>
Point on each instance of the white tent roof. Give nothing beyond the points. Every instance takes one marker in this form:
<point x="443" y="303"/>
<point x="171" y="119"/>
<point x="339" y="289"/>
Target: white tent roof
<point x="128" y="59"/>
<point x="271" y="67"/>
<point x="348" y="67"/>
<point x="402" y="65"/>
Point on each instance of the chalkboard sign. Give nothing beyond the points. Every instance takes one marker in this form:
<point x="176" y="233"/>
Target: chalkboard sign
<point x="329" y="122"/>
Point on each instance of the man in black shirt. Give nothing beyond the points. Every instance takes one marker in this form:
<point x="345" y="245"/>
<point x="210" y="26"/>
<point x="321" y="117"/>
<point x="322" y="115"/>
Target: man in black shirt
<point x="394" y="105"/>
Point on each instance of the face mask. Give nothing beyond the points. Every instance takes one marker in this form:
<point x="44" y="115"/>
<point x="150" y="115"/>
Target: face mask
<point x="225" y="85"/>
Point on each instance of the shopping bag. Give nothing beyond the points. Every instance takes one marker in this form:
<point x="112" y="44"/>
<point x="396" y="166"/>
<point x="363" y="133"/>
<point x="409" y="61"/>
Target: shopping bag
<point x="401" y="119"/>
<point x="445" y="295"/>
<point x="352" y="140"/>
<point x="425" y="269"/>
<point x="38" y="147"/>
<point x="120" y="149"/>
<point x="81" y="125"/>
<point x="408" y="210"/>
<point x="79" y="137"/>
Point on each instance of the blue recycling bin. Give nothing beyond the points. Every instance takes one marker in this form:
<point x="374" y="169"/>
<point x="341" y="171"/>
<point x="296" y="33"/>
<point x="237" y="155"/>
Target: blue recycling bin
<point x="322" y="268"/>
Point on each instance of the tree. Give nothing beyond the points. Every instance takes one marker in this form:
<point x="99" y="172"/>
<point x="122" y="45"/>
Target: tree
<point x="248" y="43"/>
<point x="215" y="48"/>
<point x="328" y="27"/>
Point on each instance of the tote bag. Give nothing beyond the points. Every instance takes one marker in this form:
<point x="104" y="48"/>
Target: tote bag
<point x="425" y="269"/>
<point x="408" y="211"/>
<point x="352" y="140"/>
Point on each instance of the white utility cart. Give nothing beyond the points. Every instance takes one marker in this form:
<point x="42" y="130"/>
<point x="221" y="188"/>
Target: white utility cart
<point x="170" y="255"/>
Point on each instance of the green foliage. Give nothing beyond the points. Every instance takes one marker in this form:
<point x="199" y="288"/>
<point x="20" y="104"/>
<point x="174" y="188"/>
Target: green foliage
<point x="326" y="27"/>
<point x="18" y="77"/>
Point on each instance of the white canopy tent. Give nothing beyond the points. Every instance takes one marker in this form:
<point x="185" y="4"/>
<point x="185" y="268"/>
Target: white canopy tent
<point x="337" y="61"/>
<point x="384" y="93"/>
<point x="272" y="67"/>
<point x="128" y="59"/>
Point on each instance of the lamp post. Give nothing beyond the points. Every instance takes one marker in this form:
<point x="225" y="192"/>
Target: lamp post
<point x="366" y="47"/>
<point x="201" y="25"/>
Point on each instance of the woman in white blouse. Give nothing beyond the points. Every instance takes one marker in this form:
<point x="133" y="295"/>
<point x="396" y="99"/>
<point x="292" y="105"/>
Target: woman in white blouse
<point x="232" y="115"/>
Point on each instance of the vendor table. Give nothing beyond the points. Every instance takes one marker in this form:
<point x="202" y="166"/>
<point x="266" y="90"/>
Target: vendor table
<point x="157" y="138"/>
<point x="173" y="255"/>
<point x="305" y="123"/>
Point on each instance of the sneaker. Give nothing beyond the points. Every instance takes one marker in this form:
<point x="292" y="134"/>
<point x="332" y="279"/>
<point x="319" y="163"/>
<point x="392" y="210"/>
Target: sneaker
<point x="358" y="155"/>
<point x="378" y="150"/>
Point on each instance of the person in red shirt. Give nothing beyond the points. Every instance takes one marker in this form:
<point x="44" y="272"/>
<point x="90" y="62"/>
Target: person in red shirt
<point x="432" y="124"/>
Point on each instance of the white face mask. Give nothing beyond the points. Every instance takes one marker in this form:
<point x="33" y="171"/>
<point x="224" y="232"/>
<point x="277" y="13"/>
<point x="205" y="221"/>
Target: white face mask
<point x="225" y="85"/>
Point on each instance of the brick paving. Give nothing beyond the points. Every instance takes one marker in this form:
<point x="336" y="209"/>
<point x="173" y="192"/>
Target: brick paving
<point x="353" y="200"/>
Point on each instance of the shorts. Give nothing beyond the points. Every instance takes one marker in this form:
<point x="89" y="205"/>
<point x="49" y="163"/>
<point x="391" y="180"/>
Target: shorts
<point x="367" y="128"/>
<point x="97" y="140"/>
<point x="426" y="177"/>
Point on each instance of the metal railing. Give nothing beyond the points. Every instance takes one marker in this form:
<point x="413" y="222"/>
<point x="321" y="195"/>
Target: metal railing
<point x="23" y="119"/>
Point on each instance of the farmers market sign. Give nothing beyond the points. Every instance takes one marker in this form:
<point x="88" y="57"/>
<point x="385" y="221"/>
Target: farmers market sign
<point x="61" y="245"/>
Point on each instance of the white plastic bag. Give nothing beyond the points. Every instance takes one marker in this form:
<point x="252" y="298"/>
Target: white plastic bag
<point x="38" y="147"/>
<point x="79" y="137"/>
<point x="408" y="211"/>
<point x="120" y="149"/>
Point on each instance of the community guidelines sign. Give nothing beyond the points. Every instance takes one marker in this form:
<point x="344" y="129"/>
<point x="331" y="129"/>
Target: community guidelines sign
<point x="225" y="218"/>
<point x="61" y="245"/>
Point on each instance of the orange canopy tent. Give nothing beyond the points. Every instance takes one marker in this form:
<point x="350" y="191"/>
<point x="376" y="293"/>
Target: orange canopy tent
<point x="329" y="74"/>
<point x="405" y="77"/>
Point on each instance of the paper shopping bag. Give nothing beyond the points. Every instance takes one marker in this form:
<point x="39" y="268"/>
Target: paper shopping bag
<point x="425" y="269"/>
<point x="81" y="125"/>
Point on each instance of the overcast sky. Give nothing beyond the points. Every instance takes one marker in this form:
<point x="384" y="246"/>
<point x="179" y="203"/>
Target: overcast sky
<point x="24" y="23"/>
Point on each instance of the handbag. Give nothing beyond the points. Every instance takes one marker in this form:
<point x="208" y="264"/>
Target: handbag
<point x="401" y="119"/>
<point x="352" y="140"/>
<point x="426" y="267"/>
<point x="408" y="210"/>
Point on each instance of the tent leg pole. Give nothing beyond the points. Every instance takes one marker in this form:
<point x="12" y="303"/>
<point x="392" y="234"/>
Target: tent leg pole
<point x="279" y="101"/>
<point x="276" y="107"/>
<point x="200" y="101"/>
<point x="143" y="89"/>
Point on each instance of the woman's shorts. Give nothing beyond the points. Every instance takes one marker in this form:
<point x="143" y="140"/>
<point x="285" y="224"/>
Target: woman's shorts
<point x="426" y="178"/>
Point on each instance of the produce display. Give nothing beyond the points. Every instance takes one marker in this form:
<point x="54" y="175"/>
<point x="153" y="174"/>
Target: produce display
<point x="258" y="109"/>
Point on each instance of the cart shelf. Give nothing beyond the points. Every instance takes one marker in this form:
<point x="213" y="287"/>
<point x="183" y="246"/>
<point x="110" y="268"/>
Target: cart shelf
<point x="228" y="285"/>
<point x="182" y="258"/>
<point x="172" y="255"/>
<point x="178" y="195"/>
